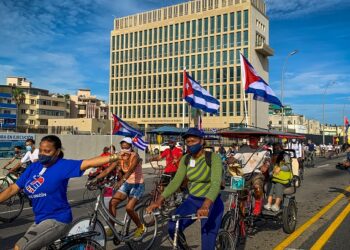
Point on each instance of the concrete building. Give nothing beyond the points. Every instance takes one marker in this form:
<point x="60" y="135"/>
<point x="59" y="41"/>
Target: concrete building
<point x="149" y="51"/>
<point x="38" y="105"/>
<point x="79" y="126"/>
<point x="295" y="123"/>
<point x="8" y="109"/>
<point x="85" y="105"/>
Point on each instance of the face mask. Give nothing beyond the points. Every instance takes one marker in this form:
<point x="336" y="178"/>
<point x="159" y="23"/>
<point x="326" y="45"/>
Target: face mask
<point x="194" y="149"/>
<point x="29" y="148"/>
<point x="125" y="150"/>
<point x="45" y="159"/>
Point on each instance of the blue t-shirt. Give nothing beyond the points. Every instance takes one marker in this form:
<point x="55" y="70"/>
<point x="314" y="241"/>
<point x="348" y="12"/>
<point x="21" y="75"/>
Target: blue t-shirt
<point x="48" y="192"/>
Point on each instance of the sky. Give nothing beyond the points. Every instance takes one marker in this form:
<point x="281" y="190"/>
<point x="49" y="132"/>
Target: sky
<point x="64" y="45"/>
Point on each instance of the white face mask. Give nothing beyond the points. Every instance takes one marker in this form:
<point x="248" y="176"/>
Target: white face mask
<point x="125" y="150"/>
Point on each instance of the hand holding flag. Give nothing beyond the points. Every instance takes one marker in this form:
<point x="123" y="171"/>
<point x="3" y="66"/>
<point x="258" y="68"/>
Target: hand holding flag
<point x="122" y="128"/>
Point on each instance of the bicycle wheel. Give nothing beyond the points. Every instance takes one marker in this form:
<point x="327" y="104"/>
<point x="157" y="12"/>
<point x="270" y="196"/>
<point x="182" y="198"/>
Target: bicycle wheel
<point x="146" y="241"/>
<point x="12" y="207"/>
<point x="80" y="244"/>
<point x="230" y="223"/>
<point x="84" y="224"/>
<point x="224" y="241"/>
<point x="89" y="198"/>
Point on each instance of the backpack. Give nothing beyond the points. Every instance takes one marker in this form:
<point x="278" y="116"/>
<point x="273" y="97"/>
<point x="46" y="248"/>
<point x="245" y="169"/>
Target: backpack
<point x="208" y="159"/>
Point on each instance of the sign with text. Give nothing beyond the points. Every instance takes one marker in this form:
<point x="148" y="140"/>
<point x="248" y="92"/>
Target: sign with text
<point x="9" y="140"/>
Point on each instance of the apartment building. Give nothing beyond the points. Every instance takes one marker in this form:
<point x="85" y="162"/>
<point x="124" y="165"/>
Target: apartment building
<point x="149" y="51"/>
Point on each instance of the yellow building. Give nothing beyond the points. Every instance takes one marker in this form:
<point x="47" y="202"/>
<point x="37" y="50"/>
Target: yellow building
<point x="38" y="106"/>
<point x="149" y="51"/>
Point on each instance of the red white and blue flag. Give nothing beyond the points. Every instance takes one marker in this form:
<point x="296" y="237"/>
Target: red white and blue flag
<point x="122" y="128"/>
<point x="139" y="143"/>
<point x="346" y="124"/>
<point x="254" y="84"/>
<point x="198" y="97"/>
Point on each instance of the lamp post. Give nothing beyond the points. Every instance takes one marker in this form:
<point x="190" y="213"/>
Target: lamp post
<point x="323" y="104"/>
<point x="344" y="126"/>
<point x="282" y="85"/>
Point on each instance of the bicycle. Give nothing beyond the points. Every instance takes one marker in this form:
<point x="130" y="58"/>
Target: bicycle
<point x="309" y="159"/>
<point x="74" y="242"/>
<point x="125" y="234"/>
<point x="13" y="207"/>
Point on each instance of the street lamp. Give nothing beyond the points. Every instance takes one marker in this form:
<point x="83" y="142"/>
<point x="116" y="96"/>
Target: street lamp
<point x="282" y="84"/>
<point x="323" y="104"/>
<point x="343" y="119"/>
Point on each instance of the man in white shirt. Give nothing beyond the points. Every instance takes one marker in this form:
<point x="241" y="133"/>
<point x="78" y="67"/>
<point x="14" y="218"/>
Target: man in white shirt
<point x="31" y="156"/>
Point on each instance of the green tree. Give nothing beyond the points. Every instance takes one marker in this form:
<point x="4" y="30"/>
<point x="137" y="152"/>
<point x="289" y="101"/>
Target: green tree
<point x="19" y="98"/>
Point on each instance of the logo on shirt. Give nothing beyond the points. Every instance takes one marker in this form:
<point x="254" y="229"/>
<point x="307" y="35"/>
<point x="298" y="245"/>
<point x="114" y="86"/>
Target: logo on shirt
<point x="35" y="184"/>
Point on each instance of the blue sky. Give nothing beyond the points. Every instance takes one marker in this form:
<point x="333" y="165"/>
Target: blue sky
<point x="64" y="45"/>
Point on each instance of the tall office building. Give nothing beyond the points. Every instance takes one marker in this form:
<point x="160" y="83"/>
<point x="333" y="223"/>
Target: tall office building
<point x="149" y="51"/>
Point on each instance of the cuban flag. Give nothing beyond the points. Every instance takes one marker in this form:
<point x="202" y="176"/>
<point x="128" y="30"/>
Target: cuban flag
<point x="346" y="123"/>
<point x="139" y="143"/>
<point x="254" y="84"/>
<point x="122" y="128"/>
<point x="198" y="97"/>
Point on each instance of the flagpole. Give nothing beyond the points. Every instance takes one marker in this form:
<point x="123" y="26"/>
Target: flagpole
<point x="183" y="99"/>
<point x="243" y="92"/>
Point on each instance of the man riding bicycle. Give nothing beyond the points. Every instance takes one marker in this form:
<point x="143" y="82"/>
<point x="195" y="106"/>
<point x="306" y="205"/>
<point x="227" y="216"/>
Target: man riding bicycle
<point x="30" y="157"/>
<point x="172" y="157"/>
<point x="17" y="156"/>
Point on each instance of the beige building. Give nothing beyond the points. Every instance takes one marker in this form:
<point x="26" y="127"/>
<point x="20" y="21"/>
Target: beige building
<point x="295" y="123"/>
<point x="149" y="51"/>
<point x="38" y="105"/>
<point x="79" y="126"/>
<point x="85" y="105"/>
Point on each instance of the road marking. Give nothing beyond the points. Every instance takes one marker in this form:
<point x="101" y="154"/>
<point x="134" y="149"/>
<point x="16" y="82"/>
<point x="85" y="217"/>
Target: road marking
<point x="323" y="166"/>
<point x="331" y="229"/>
<point x="287" y="241"/>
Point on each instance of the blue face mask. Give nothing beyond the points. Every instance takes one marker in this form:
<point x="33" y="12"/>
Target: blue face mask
<point x="29" y="148"/>
<point x="45" y="159"/>
<point x="194" y="149"/>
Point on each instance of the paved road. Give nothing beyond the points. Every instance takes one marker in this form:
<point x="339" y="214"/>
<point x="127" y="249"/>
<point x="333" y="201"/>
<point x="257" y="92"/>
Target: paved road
<point x="321" y="185"/>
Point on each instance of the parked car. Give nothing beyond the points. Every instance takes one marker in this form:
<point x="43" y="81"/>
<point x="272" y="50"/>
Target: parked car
<point x="164" y="146"/>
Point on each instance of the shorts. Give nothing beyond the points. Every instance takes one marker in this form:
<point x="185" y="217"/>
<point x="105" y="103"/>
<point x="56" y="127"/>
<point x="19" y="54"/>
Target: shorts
<point x="276" y="189"/>
<point x="166" y="178"/>
<point x="42" y="234"/>
<point x="132" y="190"/>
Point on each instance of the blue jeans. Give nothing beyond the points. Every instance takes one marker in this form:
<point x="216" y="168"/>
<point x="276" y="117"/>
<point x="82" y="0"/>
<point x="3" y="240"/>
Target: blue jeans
<point x="209" y="227"/>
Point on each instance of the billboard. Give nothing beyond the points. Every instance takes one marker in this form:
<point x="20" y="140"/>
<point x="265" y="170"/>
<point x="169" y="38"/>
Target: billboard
<point x="9" y="140"/>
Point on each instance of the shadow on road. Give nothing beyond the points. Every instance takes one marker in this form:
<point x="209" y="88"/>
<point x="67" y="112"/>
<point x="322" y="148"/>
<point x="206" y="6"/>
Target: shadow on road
<point x="339" y="190"/>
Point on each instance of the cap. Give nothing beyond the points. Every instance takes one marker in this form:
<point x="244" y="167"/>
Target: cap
<point x="127" y="140"/>
<point x="106" y="149"/>
<point x="193" y="132"/>
<point x="172" y="139"/>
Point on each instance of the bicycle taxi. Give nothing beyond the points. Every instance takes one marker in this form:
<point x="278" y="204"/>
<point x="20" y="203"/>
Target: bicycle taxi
<point x="240" y="219"/>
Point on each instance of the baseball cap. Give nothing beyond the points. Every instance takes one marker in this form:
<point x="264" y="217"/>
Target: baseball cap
<point x="127" y="140"/>
<point x="193" y="132"/>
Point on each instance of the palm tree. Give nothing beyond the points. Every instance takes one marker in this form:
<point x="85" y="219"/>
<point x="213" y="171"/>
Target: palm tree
<point x="19" y="98"/>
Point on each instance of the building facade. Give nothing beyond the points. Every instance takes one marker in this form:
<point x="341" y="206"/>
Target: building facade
<point x="86" y="126"/>
<point x="150" y="50"/>
<point x="8" y="109"/>
<point x="37" y="106"/>
<point x="85" y="105"/>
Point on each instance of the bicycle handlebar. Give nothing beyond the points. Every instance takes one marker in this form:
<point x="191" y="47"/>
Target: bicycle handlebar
<point x="176" y="217"/>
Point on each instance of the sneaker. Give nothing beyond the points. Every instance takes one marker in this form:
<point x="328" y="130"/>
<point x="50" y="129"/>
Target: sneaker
<point x="109" y="232"/>
<point x="139" y="232"/>
<point x="267" y="206"/>
<point x="275" y="208"/>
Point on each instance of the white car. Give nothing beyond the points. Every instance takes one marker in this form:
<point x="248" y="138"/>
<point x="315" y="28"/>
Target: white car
<point x="164" y="146"/>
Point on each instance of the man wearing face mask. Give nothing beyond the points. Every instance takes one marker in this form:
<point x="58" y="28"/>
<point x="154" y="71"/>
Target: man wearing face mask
<point x="17" y="156"/>
<point x="130" y="185"/>
<point x="30" y="157"/>
<point x="204" y="190"/>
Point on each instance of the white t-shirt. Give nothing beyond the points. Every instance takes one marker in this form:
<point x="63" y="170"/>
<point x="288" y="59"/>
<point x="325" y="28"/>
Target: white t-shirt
<point x="251" y="161"/>
<point x="297" y="147"/>
<point x="29" y="156"/>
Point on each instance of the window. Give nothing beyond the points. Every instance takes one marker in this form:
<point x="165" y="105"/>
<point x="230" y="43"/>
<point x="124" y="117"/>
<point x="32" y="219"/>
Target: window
<point x="239" y="20"/>
<point x="182" y="47"/>
<point x="193" y="46"/>
<point x="224" y="108"/>
<point x="238" y="90"/>
<point x="217" y="91"/>
<point x="211" y="59"/>
<point x="193" y="61"/>
<point x="199" y="44"/>
<point x="194" y="28"/>
<point x="176" y="31"/>
<point x="232" y="76"/>
<point x="150" y="36"/>
<point x="200" y="24"/>
<point x="224" y="57"/>
<point x="212" y="44"/>
<point x="205" y="60"/>
<point x="166" y="33"/>
<point x="218" y="24"/>
<point x="230" y="109"/>
<point x="171" y="32"/>
<point x="224" y="41"/>
<point x="205" y="41"/>
<point x="224" y="78"/>
<point x="231" y="91"/>
<point x="212" y="24"/>
<point x="205" y="76"/>
<point x="218" y="58"/>
<point x="199" y="61"/>
<point x="206" y="26"/>
<point x="155" y="35"/>
<point x="188" y="25"/>
<point x="218" y="42"/>
<point x="246" y="18"/>
<point x="225" y="22"/>
<point x="232" y="20"/>
<point x="160" y="34"/>
<point x="187" y="46"/>
<point x="211" y="76"/>
<point x="232" y="39"/>
<point x="245" y="37"/>
<point x="182" y="31"/>
<point x="238" y="108"/>
<point x="239" y="39"/>
<point x="145" y="37"/>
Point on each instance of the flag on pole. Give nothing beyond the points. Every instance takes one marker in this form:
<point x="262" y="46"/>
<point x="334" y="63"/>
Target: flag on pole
<point x="198" y="97"/>
<point x="200" y="122"/>
<point x="122" y="128"/>
<point x="346" y="124"/>
<point x="254" y="84"/>
<point x="139" y="143"/>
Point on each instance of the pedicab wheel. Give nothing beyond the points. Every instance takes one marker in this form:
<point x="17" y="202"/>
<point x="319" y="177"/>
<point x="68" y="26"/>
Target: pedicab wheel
<point x="296" y="181"/>
<point x="224" y="241"/>
<point x="289" y="217"/>
<point x="230" y="224"/>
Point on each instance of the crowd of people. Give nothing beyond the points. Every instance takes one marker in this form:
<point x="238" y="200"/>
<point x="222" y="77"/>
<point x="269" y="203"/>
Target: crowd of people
<point x="45" y="174"/>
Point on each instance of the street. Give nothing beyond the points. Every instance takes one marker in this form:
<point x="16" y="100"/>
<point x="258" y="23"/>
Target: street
<point x="320" y="223"/>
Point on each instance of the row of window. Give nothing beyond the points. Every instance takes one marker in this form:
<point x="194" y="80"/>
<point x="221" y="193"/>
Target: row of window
<point x="212" y="59"/>
<point x="189" y="29"/>
<point x="205" y="77"/>
<point x="230" y="108"/>
<point x="180" y="48"/>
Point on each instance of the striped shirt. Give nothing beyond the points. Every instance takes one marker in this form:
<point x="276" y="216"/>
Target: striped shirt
<point x="204" y="181"/>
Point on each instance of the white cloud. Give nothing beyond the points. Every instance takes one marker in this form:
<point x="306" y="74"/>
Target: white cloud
<point x="295" y="8"/>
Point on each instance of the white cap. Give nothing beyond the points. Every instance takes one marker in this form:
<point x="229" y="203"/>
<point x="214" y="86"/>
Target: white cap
<point x="127" y="140"/>
<point x="244" y="141"/>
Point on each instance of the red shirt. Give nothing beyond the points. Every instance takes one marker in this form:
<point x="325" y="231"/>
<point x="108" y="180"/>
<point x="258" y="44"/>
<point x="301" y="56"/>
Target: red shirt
<point x="106" y="165"/>
<point x="170" y="156"/>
